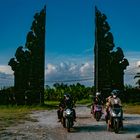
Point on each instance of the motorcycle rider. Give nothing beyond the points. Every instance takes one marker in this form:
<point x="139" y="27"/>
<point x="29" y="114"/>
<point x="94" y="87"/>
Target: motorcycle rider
<point x="67" y="101"/>
<point x="114" y="99"/>
<point x="61" y="108"/>
<point x="96" y="101"/>
<point x="111" y="101"/>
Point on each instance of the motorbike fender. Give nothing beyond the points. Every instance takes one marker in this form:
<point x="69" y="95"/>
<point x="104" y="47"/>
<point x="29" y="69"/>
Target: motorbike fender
<point x="116" y="125"/>
<point x="70" y="120"/>
<point x="116" y="119"/>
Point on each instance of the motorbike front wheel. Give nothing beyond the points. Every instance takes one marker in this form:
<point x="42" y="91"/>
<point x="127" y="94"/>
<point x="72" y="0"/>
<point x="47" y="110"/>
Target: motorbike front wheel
<point x="116" y="125"/>
<point x="68" y="125"/>
<point x="97" y="116"/>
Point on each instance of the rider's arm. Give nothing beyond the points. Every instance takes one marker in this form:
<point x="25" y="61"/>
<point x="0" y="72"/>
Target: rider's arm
<point x="119" y="102"/>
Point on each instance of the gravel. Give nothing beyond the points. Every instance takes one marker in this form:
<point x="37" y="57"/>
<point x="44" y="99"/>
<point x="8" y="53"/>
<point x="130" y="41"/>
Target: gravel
<point x="85" y="128"/>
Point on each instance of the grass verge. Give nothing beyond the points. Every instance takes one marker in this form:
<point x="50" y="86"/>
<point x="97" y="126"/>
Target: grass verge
<point x="85" y="102"/>
<point x="131" y="109"/>
<point x="13" y="115"/>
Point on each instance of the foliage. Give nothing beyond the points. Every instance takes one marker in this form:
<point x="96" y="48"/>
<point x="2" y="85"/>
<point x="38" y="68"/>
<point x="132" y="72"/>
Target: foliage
<point x="131" y="95"/>
<point x="87" y="102"/>
<point x="132" y="108"/>
<point x="78" y="91"/>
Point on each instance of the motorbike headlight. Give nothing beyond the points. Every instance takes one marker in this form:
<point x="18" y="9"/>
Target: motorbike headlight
<point x="68" y="111"/>
<point x="113" y="114"/>
<point x="119" y="114"/>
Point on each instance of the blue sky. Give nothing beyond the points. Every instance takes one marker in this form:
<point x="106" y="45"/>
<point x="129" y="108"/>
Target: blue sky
<point x="69" y="35"/>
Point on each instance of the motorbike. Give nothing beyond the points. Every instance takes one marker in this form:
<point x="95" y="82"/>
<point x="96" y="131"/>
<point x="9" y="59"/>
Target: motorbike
<point x="97" y="112"/>
<point x="68" y="119"/>
<point x="115" y="122"/>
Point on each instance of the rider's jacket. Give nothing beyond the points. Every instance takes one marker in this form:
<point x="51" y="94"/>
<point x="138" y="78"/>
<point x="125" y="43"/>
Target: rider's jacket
<point x="98" y="101"/>
<point x="66" y="103"/>
<point x="113" y="101"/>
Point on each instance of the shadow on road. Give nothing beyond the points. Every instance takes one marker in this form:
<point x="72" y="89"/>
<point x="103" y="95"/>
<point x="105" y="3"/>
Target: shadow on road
<point x="131" y="128"/>
<point x="90" y="128"/>
<point x="128" y="128"/>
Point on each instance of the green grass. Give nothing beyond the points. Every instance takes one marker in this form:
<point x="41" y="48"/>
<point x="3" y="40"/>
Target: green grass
<point x="56" y="103"/>
<point x="52" y="103"/>
<point x="13" y="115"/>
<point x="131" y="108"/>
<point x="85" y="102"/>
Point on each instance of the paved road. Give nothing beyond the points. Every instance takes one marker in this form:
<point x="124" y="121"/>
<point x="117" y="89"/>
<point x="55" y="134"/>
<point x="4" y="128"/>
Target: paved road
<point x="86" y="128"/>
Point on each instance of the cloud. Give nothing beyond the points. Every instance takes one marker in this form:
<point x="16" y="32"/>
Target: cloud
<point x="79" y="67"/>
<point x="63" y="71"/>
<point x="73" y="68"/>
<point x="133" y="68"/>
<point x="66" y="68"/>
<point x="138" y="63"/>
<point x="6" y="76"/>
<point x="6" y="80"/>
<point x="50" y="69"/>
<point x="6" y="69"/>
<point x="90" y="50"/>
<point x="66" y="72"/>
<point x="86" y="69"/>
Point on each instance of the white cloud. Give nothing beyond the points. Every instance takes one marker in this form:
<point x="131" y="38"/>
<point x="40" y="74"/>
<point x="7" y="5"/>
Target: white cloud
<point x="90" y="50"/>
<point x="74" y="68"/>
<point x="133" y="68"/>
<point x="6" y="76"/>
<point x="138" y="64"/>
<point x="84" y="67"/>
<point x="50" y="69"/>
<point x="79" y="68"/>
<point x="6" y="80"/>
<point x="6" y="69"/>
<point x="70" y="71"/>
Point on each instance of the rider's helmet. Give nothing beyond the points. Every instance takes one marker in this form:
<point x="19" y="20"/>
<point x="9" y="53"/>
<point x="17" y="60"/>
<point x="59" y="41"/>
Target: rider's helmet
<point x="67" y="96"/>
<point x="115" y="93"/>
<point x="98" y="93"/>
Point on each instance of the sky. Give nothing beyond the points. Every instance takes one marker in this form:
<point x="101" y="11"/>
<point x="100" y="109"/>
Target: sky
<point x="69" y="36"/>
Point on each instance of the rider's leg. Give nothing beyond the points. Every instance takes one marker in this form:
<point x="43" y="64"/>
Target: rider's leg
<point x="59" y="115"/>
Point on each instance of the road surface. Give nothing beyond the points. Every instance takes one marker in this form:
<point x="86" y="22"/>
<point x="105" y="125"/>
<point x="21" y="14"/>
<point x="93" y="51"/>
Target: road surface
<point x="85" y="128"/>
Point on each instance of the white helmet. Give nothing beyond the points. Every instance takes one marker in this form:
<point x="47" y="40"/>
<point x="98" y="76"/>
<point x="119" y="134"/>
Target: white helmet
<point x="98" y="93"/>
